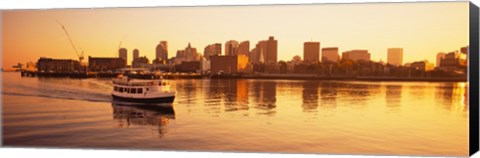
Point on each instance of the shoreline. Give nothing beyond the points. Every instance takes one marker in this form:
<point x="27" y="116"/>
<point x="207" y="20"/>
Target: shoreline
<point x="250" y="76"/>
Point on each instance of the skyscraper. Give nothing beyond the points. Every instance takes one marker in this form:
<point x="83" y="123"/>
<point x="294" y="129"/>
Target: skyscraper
<point x="165" y="45"/>
<point x="123" y="53"/>
<point x="231" y="48"/>
<point x="136" y="54"/>
<point x="257" y="55"/>
<point x="395" y="56"/>
<point x="271" y="53"/>
<point x="244" y="48"/>
<point x="330" y="54"/>
<point x="212" y="50"/>
<point x="311" y="52"/>
<point x="161" y="51"/>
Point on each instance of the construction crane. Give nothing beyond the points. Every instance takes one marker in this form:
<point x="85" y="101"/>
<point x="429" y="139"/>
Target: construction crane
<point x="80" y="55"/>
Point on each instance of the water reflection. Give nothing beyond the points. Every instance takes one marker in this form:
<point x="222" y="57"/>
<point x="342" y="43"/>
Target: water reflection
<point x="358" y="94"/>
<point x="233" y="94"/>
<point x="186" y="89"/>
<point x="63" y="113"/>
<point x="393" y="96"/>
<point x="310" y="96"/>
<point x="265" y="96"/>
<point x="236" y="95"/>
<point x="328" y="93"/>
<point x="418" y="92"/>
<point x="127" y="115"/>
<point x="453" y="96"/>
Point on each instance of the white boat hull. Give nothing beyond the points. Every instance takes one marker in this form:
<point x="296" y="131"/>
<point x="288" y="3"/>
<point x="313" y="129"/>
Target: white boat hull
<point x="162" y="99"/>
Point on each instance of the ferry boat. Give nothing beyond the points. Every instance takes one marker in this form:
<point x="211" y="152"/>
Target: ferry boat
<point x="142" y="90"/>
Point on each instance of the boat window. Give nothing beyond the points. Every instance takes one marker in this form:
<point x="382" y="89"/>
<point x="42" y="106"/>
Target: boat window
<point x="140" y="90"/>
<point x="115" y="88"/>
<point x="120" y="89"/>
<point x="133" y="90"/>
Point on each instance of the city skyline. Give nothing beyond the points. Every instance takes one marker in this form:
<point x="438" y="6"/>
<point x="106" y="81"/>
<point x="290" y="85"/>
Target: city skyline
<point x="100" y="35"/>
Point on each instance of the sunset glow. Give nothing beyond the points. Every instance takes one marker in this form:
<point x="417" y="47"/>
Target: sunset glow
<point x="421" y="29"/>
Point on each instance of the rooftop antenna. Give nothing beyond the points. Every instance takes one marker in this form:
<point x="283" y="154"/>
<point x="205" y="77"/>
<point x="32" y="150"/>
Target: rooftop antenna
<point x="121" y="41"/>
<point x="120" y="45"/>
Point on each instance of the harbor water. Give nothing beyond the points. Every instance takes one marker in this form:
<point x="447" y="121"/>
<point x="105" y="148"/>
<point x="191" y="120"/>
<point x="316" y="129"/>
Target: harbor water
<point x="241" y="115"/>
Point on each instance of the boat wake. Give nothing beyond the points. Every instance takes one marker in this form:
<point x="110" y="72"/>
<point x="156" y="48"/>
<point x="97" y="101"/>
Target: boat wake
<point x="106" y="99"/>
<point x="90" y="90"/>
<point x="83" y="90"/>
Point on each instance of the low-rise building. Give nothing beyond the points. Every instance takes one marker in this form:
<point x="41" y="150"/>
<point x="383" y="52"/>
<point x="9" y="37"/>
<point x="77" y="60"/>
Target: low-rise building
<point x="140" y="62"/>
<point x="227" y="64"/>
<point x="58" y="65"/>
<point x="454" y="61"/>
<point x="99" y="64"/>
<point x="422" y="65"/>
<point x="188" y="66"/>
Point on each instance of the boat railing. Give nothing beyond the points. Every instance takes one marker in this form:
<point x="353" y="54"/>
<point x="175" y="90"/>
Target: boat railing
<point x="135" y="82"/>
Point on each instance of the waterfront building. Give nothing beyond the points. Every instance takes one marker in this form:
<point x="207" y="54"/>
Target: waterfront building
<point x="258" y="53"/>
<point x="454" y="62"/>
<point x="231" y="48"/>
<point x="123" y="53"/>
<point x="311" y="52"/>
<point x="356" y="55"/>
<point x="227" y="64"/>
<point x="205" y="65"/>
<point x="99" y="64"/>
<point x="58" y="65"/>
<point x="243" y="55"/>
<point x="395" y="56"/>
<point x="212" y="50"/>
<point x="271" y="52"/>
<point x="188" y="66"/>
<point x="422" y="65"/>
<point x="242" y="63"/>
<point x="330" y="54"/>
<point x="244" y="48"/>
<point x="161" y="51"/>
<point x="265" y="51"/>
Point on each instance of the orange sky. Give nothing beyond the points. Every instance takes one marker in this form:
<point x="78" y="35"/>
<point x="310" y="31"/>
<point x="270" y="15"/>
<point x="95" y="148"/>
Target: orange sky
<point x="422" y="29"/>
